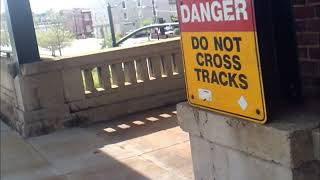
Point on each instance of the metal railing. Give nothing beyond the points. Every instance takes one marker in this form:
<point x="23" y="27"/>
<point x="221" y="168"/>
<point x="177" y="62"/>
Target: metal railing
<point x="152" y="26"/>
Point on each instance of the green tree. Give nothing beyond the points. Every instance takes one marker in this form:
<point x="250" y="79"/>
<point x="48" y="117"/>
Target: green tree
<point x="55" y="36"/>
<point x="174" y="18"/>
<point x="176" y="31"/>
<point x="146" y="22"/>
<point x="107" y="41"/>
<point x="5" y="40"/>
<point x="4" y="34"/>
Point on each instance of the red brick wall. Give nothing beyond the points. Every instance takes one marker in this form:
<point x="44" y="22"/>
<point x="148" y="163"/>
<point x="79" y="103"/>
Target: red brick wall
<point x="307" y="17"/>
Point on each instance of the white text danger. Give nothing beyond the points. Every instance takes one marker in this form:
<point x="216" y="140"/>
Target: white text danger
<point x="215" y="11"/>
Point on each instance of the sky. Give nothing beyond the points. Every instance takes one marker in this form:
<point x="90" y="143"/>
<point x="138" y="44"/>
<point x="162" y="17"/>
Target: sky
<point x="39" y="6"/>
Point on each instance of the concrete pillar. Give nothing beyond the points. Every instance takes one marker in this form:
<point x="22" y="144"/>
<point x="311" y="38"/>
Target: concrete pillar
<point x="22" y="33"/>
<point x="226" y="148"/>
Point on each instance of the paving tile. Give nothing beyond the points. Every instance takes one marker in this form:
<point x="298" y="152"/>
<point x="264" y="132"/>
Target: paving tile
<point x="154" y="141"/>
<point x="34" y="174"/>
<point x="4" y="127"/>
<point x="139" y="123"/>
<point x="117" y="152"/>
<point x="165" y="115"/>
<point x="70" y="150"/>
<point x="155" y="120"/>
<point x="176" y="159"/>
<point x="135" y="168"/>
<point x="139" y="127"/>
<point x="179" y="134"/>
<point x="152" y="119"/>
<point x="129" y="148"/>
<point x="19" y="161"/>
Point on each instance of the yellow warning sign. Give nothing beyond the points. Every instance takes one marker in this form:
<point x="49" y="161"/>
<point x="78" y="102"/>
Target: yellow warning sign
<point x="221" y="60"/>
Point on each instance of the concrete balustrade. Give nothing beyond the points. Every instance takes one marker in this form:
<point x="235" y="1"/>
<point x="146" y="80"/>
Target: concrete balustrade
<point x="7" y="91"/>
<point x="57" y="93"/>
<point x="128" y="73"/>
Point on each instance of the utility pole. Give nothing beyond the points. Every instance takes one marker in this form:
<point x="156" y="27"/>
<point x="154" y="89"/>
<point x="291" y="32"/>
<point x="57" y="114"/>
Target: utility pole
<point x="113" y="35"/>
<point x="21" y="30"/>
<point x="154" y="12"/>
<point x="75" y="23"/>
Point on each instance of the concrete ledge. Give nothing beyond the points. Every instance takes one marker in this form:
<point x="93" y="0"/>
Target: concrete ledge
<point x="100" y="57"/>
<point x="286" y="141"/>
<point x="216" y="162"/>
<point x="133" y="105"/>
<point x="316" y="143"/>
<point x="44" y="121"/>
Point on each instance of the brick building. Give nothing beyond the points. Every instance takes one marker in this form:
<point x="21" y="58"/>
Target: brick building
<point x="129" y="15"/>
<point x="307" y="16"/>
<point x="79" y="21"/>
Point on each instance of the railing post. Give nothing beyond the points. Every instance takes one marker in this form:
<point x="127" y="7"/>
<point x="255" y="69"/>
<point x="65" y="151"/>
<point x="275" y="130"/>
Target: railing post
<point x="130" y="72"/>
<point x="179" y="63"/>
<point x="88" y="79"/>
<point x="155" y="66"/>
<point x="142" y="70"/>
<point x="22" y="33"/>
<point x="104" y="77"/>
<point x="117" y="75"/>
<point x="167" y="65"/>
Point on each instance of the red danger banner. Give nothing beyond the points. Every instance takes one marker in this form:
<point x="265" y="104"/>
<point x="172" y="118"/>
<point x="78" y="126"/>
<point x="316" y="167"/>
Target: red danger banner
<point x="216" y="15"/>
<point x="221" y="57"/>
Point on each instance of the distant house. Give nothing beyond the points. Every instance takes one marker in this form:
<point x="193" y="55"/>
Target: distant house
<point x="173" y="5"/>
<point x="79" y="21"/>
<point x="100" y="24"/>
<point x="129" y="15"/>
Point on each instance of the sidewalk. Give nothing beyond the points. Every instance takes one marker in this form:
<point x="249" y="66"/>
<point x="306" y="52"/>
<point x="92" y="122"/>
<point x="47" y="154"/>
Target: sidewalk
<point x="144" y="146"/>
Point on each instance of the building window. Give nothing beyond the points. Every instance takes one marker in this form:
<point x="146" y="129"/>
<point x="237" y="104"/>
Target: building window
<point x="87" y="17"/>
<point x="139" y="3"/>
<point x="140" y="14"/>
<point x="124" y="6"/>
<point x="125" y="16"/>
<point x="88" y="28"/>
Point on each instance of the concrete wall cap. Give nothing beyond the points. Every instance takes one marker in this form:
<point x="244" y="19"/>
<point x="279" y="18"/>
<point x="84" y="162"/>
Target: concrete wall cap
<point x="280" y="141"/>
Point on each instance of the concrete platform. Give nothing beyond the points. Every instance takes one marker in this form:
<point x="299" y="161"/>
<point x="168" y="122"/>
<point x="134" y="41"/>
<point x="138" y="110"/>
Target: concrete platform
<point x="143" y="146"/>
<point x="227" y="148"/>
